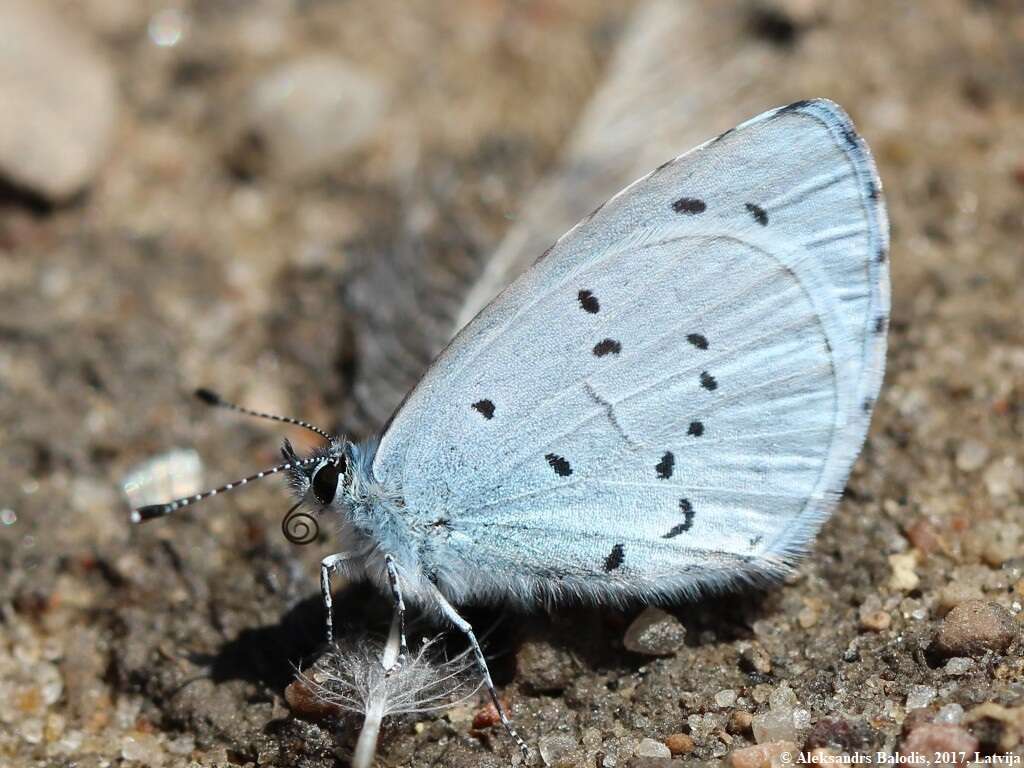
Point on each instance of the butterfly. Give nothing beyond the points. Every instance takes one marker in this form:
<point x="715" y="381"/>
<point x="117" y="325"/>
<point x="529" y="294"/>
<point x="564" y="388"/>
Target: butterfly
<point x="666" y="404"/>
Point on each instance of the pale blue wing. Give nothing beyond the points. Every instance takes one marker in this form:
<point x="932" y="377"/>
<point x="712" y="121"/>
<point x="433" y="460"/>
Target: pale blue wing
<point x="673" y="396"/>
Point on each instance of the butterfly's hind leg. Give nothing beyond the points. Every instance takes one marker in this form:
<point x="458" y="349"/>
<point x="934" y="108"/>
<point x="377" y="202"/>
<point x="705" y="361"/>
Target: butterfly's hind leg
<point x="449" y="612"/>
<point x="329" y="565"/>
<point x="396" y="593"/>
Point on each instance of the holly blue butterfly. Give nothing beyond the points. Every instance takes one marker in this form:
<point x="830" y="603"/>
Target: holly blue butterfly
<point x="667" y="403"/>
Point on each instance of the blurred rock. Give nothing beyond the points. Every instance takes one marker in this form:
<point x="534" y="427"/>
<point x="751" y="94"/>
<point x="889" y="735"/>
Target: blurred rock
<point x="740" y="723"/>
<point x="972" y="455"/>
<point x="998" y="728"/>
<point x="955" y="593"/>
<point x="929" y="738"/>
<point x="651" y="748"/>
<point x="554" y="747"/>
<point x="60" y="102"/>
<point x="848" y="736"/>
<point x="545" y="668"/>
<point x="783" y="720"/>
<point x="306" y="116"/>
<point x="904" y="577"/>
<point x="776" y="753"/>
<point x="304" y="702"/>
<point x="680" y="744"/>
<point x="972" y="628"/>
<point x="754" y="658"/>
<point x="655" y="633"/>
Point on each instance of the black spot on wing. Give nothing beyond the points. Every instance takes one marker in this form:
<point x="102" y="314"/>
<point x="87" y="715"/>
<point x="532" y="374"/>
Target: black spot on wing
<point x="867" y="405"/>
<point x="700" y="342"/>
<point x="880" y="324"/>
<point x="615" y="558"/>
<point x="666" y="465"/>
<point x="873" y="192"/>
<point x="880" y="256"/>
<point x="687" y="509"/>
<point x="690" y="205"/>
<point x="559" y="464"/>
<point x="760" y="214"/>
<point x="607" y="347"/>
<point x="589" y="302"/>
<point x="696" y="428"/>
<point x="485" y="408"/>
<point x="708" y="381"/>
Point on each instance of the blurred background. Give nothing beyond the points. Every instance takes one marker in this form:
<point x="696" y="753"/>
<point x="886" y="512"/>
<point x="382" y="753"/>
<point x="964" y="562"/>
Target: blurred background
<point x="297" y="202"/>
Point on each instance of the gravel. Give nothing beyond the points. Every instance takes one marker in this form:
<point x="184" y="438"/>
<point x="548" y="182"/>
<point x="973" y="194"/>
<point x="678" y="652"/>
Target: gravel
<point x="132" y="276"/>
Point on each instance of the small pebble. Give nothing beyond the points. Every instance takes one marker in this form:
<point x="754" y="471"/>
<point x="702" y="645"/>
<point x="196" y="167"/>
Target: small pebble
<point x="754" y="658"/>
<point x="920" y="696"/>
<point x="306" y="116"/>
<point x="782" y="699"/>
<point x="809" y="615"/>
<point x="304" y="702"/>
<point x="652" y="748"/>
<point x="951" y="714"/>
<point x="875" y="621"/>
<point x="680" y="744"/>
<point x="776" y="753"/>
<point x="924" y="536"/>
<point x="955" y="593"/>
<point x="725" y="699"/>
<point x="1004" y="478"/>
<point x="655" y="633"/>
<point x="904" y="577"/>
<point x="487" y="716"/>
<point x="972" y="455"/>
<point x="544" y="667"/>
<point x="64" y="96"/>
<point x="929" y="738"/>
<point x="740" y="723"/>
<point x="142" y="748"/>
<point x="555" y="746"/>
<point x="972" y="628"/>
<point x="957" y="666"/>
<point x="769" y="727"/>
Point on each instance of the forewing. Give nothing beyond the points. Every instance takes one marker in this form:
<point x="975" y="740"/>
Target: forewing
<point x="674" y="393"/>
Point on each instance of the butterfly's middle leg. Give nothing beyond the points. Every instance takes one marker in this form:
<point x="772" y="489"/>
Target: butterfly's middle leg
<point x="396" y="593"/>
<point x="329" y="565"/>
<point x="449" y="612"/>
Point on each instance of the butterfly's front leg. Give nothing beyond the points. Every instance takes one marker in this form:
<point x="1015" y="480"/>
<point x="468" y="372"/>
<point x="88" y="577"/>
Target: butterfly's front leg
<point x="449" y="612"/>
<point x="396" y="593"/>
<point x="329" y="565"/>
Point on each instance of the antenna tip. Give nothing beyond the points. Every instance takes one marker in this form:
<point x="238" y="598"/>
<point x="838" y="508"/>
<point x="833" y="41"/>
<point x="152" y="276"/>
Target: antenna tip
<point x="142" y="514"/>
<point x="208" y="396"/>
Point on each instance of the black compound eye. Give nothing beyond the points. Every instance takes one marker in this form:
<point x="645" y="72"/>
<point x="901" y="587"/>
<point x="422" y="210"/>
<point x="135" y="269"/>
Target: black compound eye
<point x="325" y="482"/>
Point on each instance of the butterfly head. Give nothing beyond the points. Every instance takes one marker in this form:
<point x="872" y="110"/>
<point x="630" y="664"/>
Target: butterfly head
<point x="318" y="476"/>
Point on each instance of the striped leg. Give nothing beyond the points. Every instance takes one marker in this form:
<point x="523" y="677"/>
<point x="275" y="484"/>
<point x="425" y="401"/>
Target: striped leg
<point x="329" y="565"/>
<point x="396" y="593"/>
<point x="464" y="626"/>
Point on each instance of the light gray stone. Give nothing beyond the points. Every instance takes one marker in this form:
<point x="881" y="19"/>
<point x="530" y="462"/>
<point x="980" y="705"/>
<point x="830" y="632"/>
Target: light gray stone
<point x="59" y="101"/>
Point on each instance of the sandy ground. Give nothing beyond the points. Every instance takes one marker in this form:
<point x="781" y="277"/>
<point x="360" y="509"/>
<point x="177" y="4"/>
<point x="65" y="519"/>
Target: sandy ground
<point x="201" y="252"/>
